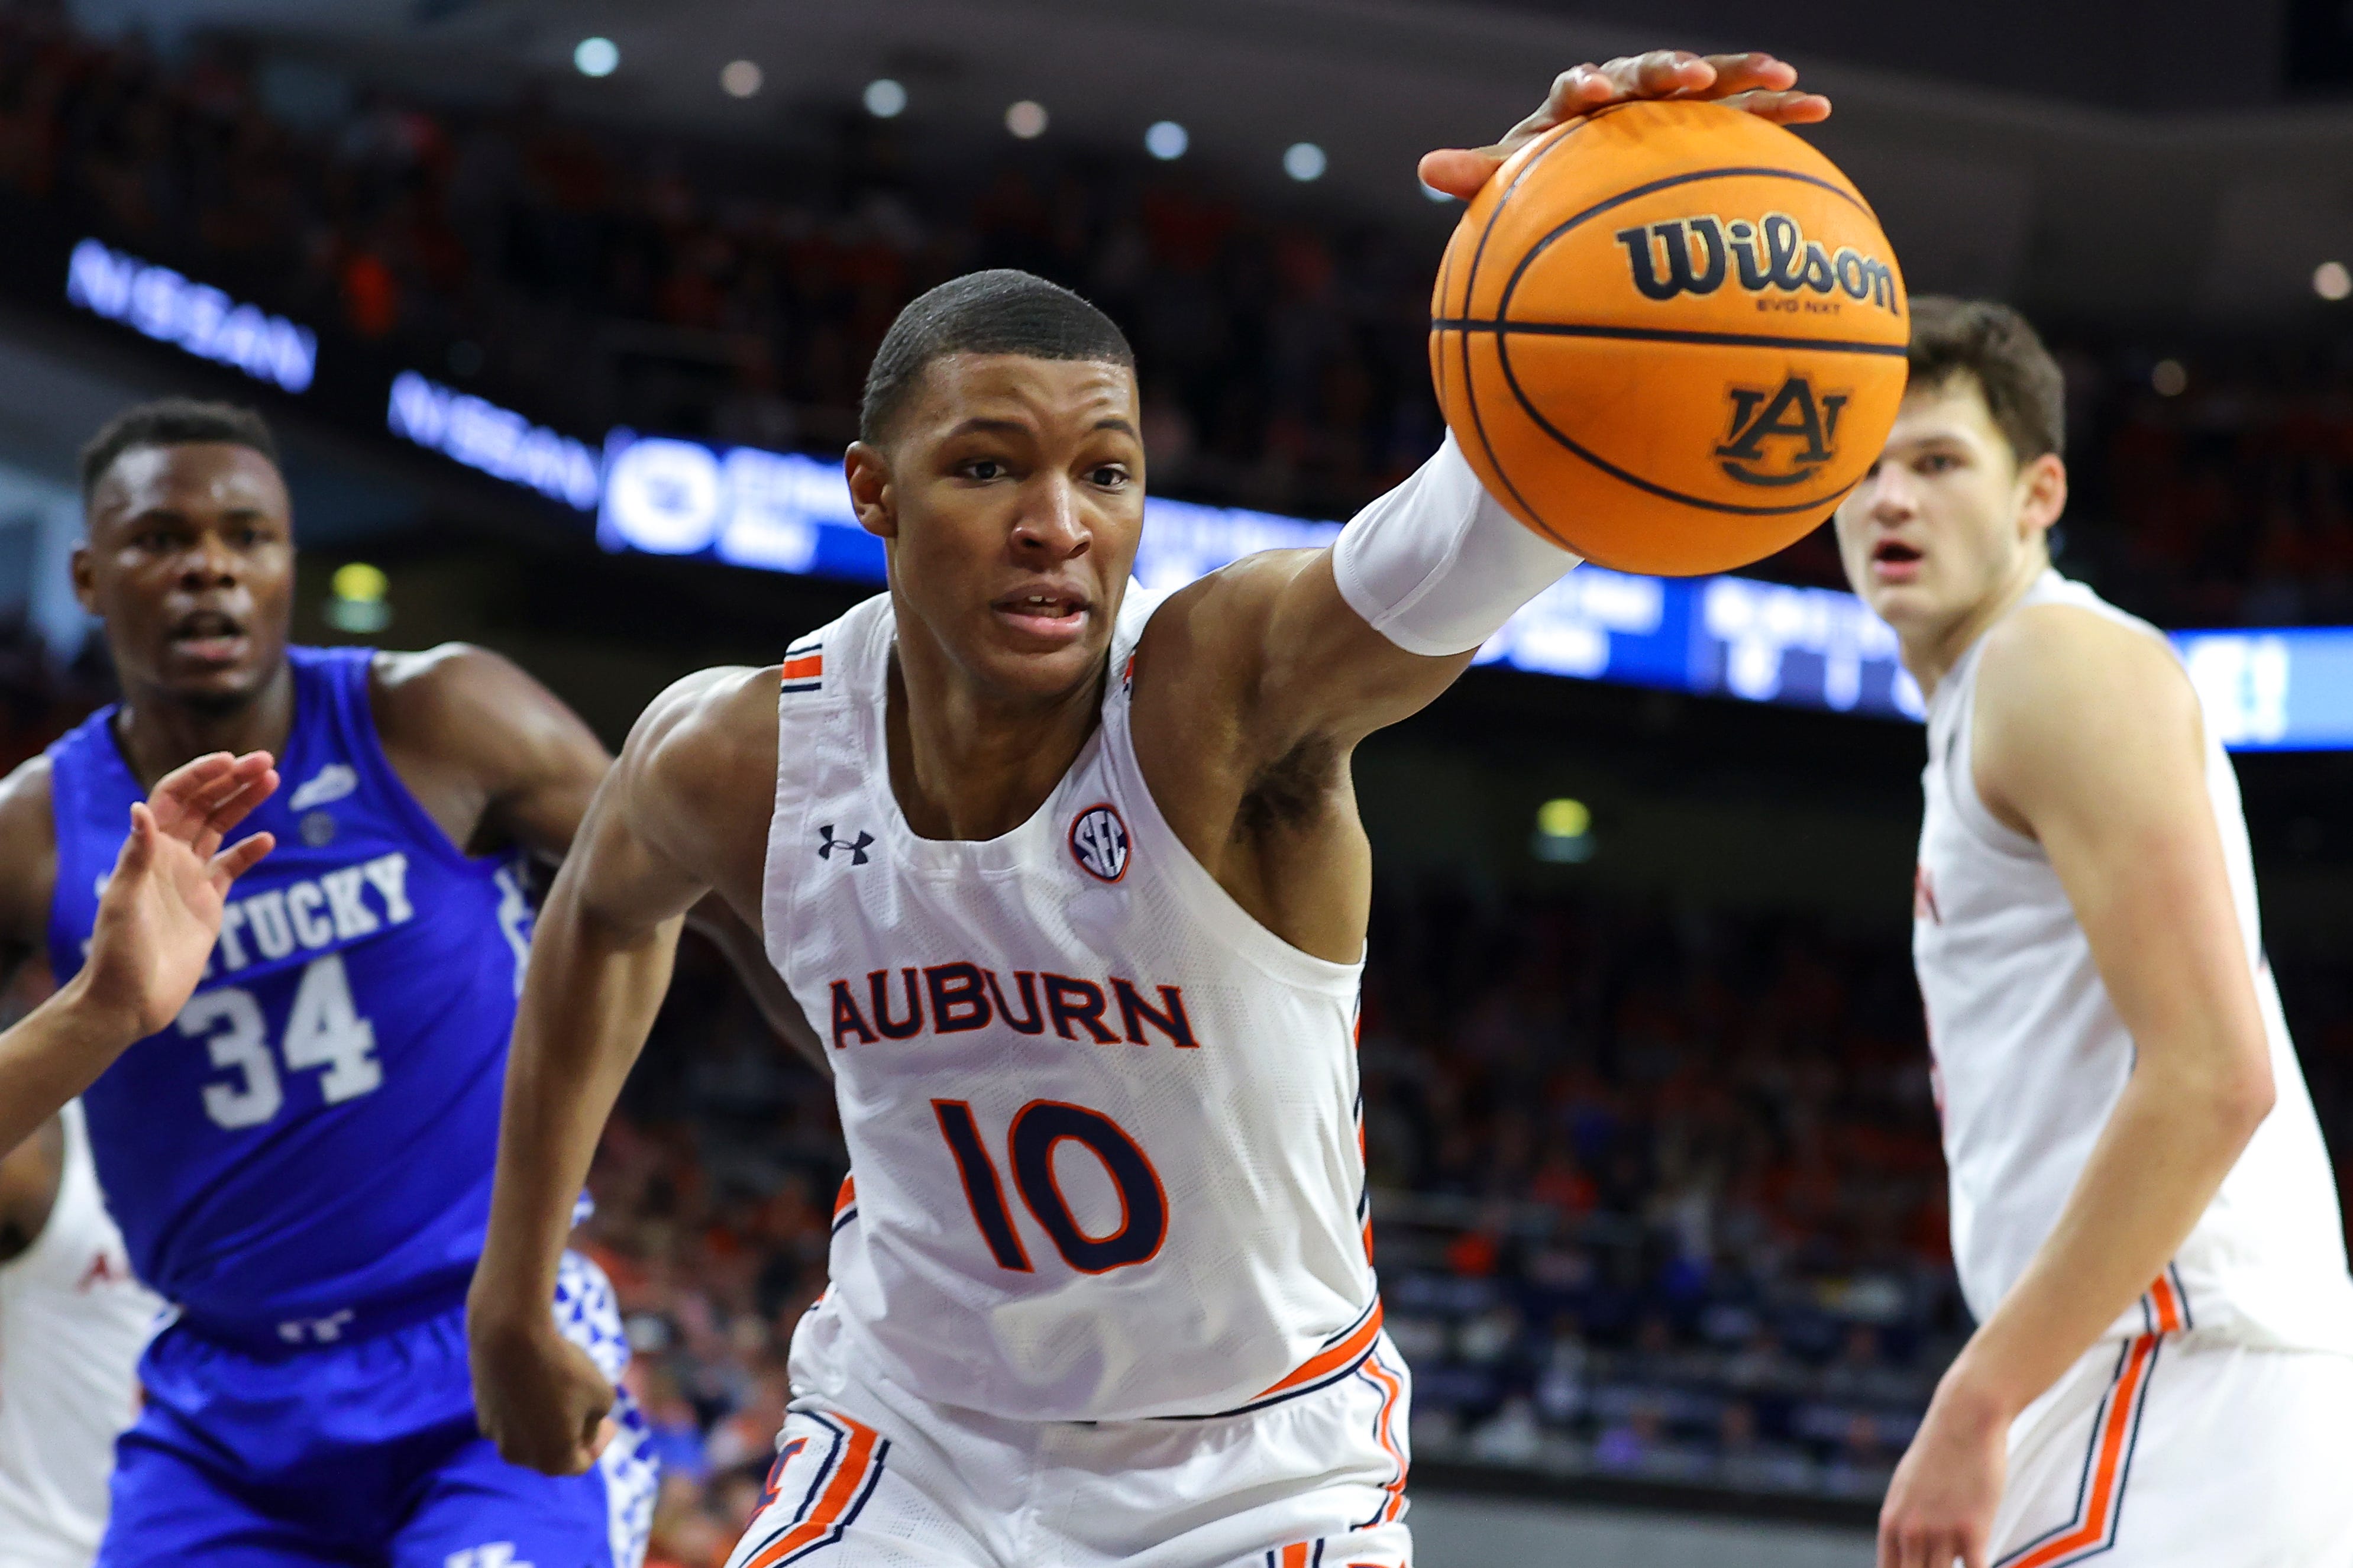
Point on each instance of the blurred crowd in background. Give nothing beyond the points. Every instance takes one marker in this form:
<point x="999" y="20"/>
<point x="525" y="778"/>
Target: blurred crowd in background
<point x="592" y="275"/>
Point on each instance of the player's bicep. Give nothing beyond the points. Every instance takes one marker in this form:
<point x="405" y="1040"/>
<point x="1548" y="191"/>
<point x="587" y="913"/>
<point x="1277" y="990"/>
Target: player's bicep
<point x="2092" y="736"/>
<point x="636" y="862"/>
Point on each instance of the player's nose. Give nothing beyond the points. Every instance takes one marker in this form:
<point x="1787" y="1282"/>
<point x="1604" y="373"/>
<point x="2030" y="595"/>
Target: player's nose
<point x="208" y="562"/>
<point x="1051" y="520"/>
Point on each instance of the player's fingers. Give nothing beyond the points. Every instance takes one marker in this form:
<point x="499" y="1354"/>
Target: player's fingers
<point x="138" y="846"/>
<point x="1662" y="73"/>
<point x="1782" y="108"/>
<point x="606" y="1430"/>
<point x="1743" y="73"/>
<point x="227" y="813"/>
<point x="1459" y="171"/>
<point x="240" y="858"/>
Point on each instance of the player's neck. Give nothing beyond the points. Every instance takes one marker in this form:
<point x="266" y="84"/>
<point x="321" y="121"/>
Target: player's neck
<point x="158" y="732"/>
<point x="1931" y="655"/>
<point x="969" y="764"/>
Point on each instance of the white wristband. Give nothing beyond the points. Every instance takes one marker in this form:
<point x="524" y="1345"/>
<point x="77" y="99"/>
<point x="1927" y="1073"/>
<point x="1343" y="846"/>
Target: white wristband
<point x="1437" y="565"/>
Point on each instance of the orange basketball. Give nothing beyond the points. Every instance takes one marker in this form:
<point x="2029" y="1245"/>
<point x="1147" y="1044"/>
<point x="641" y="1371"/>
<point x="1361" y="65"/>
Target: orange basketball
<point x="1670" y="336"/>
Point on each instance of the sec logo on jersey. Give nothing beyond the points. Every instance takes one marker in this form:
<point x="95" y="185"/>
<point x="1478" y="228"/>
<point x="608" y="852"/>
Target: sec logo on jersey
<point x="1099" y="843"/>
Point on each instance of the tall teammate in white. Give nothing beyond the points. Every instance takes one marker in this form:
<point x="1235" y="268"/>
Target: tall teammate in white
<point x="2143" y="1214"/>
<point x="1071" y="883"/>
<point x="72" y="1322"/>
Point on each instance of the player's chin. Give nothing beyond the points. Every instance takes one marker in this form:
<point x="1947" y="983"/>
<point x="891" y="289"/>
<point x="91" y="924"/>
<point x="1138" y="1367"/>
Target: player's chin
<point x="1017" y="664"/>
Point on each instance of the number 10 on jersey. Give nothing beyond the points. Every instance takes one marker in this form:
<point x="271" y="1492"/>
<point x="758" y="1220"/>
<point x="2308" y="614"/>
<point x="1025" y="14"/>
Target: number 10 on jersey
<point x="1037" y="1130"/>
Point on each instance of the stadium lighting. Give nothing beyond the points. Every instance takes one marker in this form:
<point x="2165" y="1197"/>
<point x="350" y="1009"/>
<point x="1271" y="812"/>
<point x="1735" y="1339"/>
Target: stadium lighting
<point x="1166" y="141"/>
<point x="2332" y="282"/>
<point x="356" y="601"/>
<point x="1303" y="161"/>
<point x="597" y="56"/>
<point x="2168" y="378"/>
<point x="1564" y="833"/>
<point x="740" y="78"/>
<point x="1026" y="120"/>
<point x="885" y="98"/>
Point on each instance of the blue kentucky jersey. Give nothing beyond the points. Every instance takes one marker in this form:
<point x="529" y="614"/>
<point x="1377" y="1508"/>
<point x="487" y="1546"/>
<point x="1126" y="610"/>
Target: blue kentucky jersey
<point x="315" y="1132"/>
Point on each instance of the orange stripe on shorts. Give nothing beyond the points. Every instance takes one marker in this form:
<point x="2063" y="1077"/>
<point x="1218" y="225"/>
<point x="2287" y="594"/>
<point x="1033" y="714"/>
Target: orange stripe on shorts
<point x="2107" y="1464"/>
<point x="841" y="1494"/>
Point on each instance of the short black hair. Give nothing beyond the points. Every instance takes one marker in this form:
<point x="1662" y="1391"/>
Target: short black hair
<point x="1000" y="312"/>
<point x="173" y="422"/>
<point x="2024" y="391"/>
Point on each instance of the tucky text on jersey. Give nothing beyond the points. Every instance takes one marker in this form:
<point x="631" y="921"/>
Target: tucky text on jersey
<point x="964" y="995"/>
<point x="313" y="913"/>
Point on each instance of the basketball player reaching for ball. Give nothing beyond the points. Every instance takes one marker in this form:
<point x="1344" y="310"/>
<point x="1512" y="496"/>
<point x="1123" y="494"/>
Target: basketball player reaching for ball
<point x="299" y="1156"/>
<point x="1069" y="877"/>
<point x="2144" y="1218"/>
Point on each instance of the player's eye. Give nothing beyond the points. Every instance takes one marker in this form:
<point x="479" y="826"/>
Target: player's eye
<point x="1937" y="463"/>
<point x="1110" y="475"/>
<point x="982" y="469"/>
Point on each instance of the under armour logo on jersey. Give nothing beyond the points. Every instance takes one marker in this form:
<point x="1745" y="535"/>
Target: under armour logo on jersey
<point x="827" y="843"/>
<point x="1099" y="843"/>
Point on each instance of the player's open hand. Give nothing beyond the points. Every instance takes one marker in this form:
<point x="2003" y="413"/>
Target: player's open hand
<point x="1940" y="1504"/>
<point x="1757" y="83"/>
<point x="160" y="910"/>
<point x="537" y="1395"/>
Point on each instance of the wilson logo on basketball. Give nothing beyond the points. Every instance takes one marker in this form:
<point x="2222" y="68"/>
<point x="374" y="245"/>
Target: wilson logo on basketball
<point x="1800" y="427"/>
<point x="1099" y="843"/>
<point x="1695" y="255"/>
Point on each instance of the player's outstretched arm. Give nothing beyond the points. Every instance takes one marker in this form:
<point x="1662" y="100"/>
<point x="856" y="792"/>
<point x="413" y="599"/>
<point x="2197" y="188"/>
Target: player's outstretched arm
<point x="2088" y="737"/>
<point x="157" y="922"/>
<point x="684" y="796"/>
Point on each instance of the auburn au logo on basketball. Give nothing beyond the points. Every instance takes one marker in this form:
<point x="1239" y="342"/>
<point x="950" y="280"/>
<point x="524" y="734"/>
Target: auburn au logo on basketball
<point x="1694" y="255"/>
<point x="1800" y="427"/>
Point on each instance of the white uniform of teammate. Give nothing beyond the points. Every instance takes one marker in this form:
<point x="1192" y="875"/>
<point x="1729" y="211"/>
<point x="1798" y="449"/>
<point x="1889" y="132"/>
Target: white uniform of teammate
<point x="2221" y="1395"/>
<point x="72" y="1322"/>
<point x="1101" y="1286"/>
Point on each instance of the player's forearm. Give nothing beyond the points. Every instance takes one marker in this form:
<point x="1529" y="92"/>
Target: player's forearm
<point x="55" y="1052"/>
<point x="2176" y="1132"/>
<point x="589" y="999"/>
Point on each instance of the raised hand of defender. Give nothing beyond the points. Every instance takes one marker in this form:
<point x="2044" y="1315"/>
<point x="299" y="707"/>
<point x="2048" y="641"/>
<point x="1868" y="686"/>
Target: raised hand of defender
<point x="161" y="911"/>
<point x="1756" y="82"/>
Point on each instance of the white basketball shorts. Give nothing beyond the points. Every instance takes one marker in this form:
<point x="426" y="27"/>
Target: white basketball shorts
<point x="2181" y="1451"/>
<point x="869" y="1475"/>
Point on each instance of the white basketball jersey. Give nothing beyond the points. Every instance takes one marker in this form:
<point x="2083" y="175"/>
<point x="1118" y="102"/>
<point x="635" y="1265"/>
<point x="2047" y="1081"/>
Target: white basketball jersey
<point x="2031" y="1057"/>
<point x="1102" y="1125"/>
<point x="72" y="1324"/>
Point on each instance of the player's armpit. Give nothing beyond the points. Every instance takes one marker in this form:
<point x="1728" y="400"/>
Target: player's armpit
<point x="29" y="863"/>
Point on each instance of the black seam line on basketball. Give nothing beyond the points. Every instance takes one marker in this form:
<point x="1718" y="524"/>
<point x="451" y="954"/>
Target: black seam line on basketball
<point x="1470" y="286"/>
<point x="1667" y="335"/>
<point x="1512" y="285"/>
<point x="1511" y="377"/>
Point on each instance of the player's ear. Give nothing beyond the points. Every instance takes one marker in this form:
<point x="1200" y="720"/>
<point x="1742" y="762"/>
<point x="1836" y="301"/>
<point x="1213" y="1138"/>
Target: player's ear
<point x="869" y="473"/>
<point x="85" y="584"/>
<point x="2043" y="493"/>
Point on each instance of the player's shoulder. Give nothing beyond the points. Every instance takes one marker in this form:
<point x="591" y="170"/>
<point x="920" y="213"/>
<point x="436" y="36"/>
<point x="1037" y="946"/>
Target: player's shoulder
<point x="709" y="733"/>
<point x="28" y="844"/>
<point x="2058" y="663"/>
<point x="408" y="688"/>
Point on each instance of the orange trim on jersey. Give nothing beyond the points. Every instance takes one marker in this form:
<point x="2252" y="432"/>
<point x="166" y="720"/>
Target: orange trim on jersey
<point x="847" y="1196"/>
<point x="1295" y="1556"/>
<point x="842" y="1497"/>
<point x="1392" y="1389"/>
<point x="1335" y="1359"/>
<point x="2167" y="1302"/>
<point x="808" y="667"/>
<point x="2111" y="1447"/>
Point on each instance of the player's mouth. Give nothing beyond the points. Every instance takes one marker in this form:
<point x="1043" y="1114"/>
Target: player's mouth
<point x="1892" y="560"/>
<point x="208" y="639"/>
<point x="1049" y="614"/>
